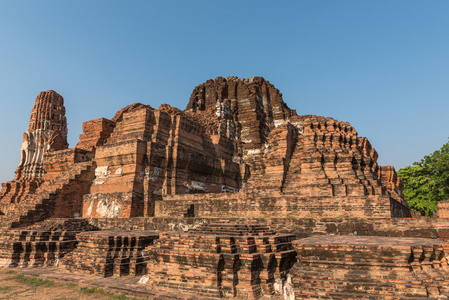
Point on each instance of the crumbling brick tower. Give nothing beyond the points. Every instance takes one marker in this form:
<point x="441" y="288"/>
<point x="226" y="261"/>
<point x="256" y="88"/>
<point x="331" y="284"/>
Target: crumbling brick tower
<point x="47" y="132"/>
<point x="50" y="179"/>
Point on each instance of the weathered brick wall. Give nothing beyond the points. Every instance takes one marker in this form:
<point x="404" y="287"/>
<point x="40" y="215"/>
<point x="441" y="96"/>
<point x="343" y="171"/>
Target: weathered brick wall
<point x="392" y="182"/>
<point x="32" y="248"/>
<point x="248" y="108"/>
<point x="443" y="209"/>
<point x="357" y="267"/>
<point x="276" y="204"/>
<point x="425" y="228"/>
<point x="59" y="197"/>
<point x="113" y="205"/>
<point x="57" y="162"/>
<point x="155" y="152"/>
<point x="69" y="201"/>
<point x="95" y="132"/>
<point x="109" y="253"/>
<point x="400" y="209"/>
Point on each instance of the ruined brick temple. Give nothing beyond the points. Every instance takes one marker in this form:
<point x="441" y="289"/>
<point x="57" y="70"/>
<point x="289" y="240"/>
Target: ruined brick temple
<point x="235" y="196"/>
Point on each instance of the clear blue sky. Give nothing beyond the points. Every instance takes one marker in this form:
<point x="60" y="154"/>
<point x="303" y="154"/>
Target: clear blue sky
<point x="383" y="66"/>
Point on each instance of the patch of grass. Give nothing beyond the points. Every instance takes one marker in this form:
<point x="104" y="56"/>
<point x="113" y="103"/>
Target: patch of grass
<point x="5" y="288"/>
<point x="121" y="297"/>
<point x="107" y="294"/>
<point x="71" y="284"/>
<point x="34" y="281"/>
<point x="10" y="272"/>
<point x="118" y="296"/>
<point x="89" y="290"/>
<point x="14" y="295"/>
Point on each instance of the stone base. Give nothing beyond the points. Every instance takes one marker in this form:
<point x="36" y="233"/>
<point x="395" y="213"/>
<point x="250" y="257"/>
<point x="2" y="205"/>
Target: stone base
<point x="33" y="248"/>
<point x="110" y="253"/>
<point x="221" y="260"/>
<point x="356" y="267"/>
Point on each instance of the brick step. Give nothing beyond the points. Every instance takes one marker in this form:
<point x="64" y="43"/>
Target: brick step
<point x="34" y="235"/>
<point x="235" y="232"/>
<point x="107" y="266"/>
<point x="402" y="283"/>
<point x="258" y="239"/>
<point x="226" y="224"/>
<point x="39" y="238"/>
<point x="232" y="249"/>
<point x="64" y="225"/>
<point x="348" y="296"/>
<point x="360" y="277"/>
<point x="34" y="248"/>
<point x="33" y="208"/>
<point x="110" y="253"/>
<point x="361" y="287"/>
<point x="170" y="285"/>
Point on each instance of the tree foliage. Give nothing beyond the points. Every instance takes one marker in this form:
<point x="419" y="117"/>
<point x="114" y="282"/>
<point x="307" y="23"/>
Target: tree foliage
<point x="427" y="182"/>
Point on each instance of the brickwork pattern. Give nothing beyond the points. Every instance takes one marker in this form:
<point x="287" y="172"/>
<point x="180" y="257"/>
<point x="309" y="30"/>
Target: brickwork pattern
<point x="300" y="227"/>
<point x="348" y="267"/>
<point x="33" y="248"/>
<point x="110" y="253"/>
<point x="42" y="244"/>
<point x="50" y="200"/>
<point x="443" y="209"/>
<point x="221" y="260"/>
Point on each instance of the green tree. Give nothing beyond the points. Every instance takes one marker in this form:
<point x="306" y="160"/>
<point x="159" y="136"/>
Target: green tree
<point x="427" y="182"/>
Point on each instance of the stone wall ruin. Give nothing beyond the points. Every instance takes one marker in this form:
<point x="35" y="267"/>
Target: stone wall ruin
<point x="235" y="196"/>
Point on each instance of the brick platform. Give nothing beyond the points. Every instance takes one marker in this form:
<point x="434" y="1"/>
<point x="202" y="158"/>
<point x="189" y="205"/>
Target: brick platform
<point x="43" y="244"/>
<point x="350" y="267"/>
<point x="221" y="260"/>
<point x="110" y="253"/>
<point x="34" y="248"/>
<point x="129" y="285"/>
<point x="300" y="227"/>
<point x="58" y="197"/>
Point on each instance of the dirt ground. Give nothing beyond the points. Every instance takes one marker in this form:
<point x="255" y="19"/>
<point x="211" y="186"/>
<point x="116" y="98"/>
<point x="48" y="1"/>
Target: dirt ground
<point x="14" y="285"/>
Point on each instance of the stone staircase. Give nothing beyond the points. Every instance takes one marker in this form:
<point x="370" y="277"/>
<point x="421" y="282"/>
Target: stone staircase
<point x="40" y="205"/>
